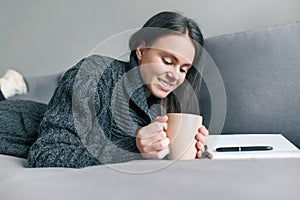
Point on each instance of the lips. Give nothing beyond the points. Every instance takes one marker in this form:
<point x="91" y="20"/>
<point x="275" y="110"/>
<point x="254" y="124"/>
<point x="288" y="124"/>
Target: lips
<point x="165" y="85"/>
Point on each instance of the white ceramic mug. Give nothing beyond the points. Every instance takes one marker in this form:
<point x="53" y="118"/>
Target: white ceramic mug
<point x="181" y="131"/>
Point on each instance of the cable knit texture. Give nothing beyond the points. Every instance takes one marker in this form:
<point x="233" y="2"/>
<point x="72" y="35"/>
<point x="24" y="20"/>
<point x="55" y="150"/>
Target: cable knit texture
<point x="94" y="116"/>
<point x="18" y="128"/>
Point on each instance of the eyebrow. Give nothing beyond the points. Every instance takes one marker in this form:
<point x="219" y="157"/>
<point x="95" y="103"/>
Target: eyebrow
<point x="175" y="58"/>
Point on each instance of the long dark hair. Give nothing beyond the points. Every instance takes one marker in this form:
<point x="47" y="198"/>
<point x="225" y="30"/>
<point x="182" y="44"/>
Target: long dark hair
<point x="166" y="23"/>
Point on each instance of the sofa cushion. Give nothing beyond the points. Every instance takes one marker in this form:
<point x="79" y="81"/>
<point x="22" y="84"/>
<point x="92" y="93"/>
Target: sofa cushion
<point x="41" y="88"/>
<point x="261" y="74"/>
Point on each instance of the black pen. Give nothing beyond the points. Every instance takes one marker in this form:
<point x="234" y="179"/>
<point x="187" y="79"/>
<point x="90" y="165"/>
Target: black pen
<point x="245" y="148"/>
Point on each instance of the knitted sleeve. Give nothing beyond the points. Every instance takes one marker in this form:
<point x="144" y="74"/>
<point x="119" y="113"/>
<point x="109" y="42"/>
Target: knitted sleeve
<point x="58" y="143"/>
<point x="83" y="126"/>
<point x="101" y="113"/>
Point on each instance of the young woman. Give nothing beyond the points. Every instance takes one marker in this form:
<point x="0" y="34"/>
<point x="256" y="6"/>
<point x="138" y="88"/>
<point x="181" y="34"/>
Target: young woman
<point x="107" y="111"/>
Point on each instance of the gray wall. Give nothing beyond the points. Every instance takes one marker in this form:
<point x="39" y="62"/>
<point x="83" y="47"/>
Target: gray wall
<point x="44" y="37"/>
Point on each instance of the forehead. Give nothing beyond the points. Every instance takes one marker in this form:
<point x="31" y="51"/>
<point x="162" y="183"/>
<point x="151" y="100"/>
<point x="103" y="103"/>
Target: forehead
<point x="179" y="45"/>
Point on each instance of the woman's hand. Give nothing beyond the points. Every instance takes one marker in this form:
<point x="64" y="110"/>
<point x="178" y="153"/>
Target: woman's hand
<point x="152" y="140"/>
<point x="201" y="137"/>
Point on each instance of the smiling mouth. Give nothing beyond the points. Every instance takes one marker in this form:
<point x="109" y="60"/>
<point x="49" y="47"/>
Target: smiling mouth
<point x="166" y="85"/>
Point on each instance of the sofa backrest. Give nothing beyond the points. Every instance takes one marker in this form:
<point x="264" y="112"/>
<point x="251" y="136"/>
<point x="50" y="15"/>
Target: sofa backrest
<point x="261" y="75"/>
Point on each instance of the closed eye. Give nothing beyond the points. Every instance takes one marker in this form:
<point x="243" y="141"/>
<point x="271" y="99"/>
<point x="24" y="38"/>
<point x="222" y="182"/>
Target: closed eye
<point x="166" y="61"/>
<point x="184" y="69"/>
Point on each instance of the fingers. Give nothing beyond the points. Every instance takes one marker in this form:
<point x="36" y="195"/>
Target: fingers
<point x="202" y="134"/>
<point x="203" y="130"/>
<point x="205" y="154"/>
<point x="200" y="146"/>
<point x="156" y="154"/>
<point x="159" y="145"/>
<point x="199" y="154"/>
<point x="152" y="139"/>
<point x="151" y="130"/>
<point x="161" y="119"/>
<point x="201" y="149"/>
<point x="154" y="145"/>
<point x="201" y="137"/>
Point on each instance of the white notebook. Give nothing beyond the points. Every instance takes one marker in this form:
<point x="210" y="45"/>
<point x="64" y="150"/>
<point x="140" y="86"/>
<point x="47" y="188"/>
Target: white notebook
<point x="276" y="146"/>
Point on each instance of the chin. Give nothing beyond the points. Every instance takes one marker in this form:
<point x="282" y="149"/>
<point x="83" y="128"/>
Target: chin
<point x="160" y="95"/>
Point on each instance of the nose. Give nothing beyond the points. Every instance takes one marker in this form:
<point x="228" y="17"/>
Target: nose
<point x="173" y="75"/>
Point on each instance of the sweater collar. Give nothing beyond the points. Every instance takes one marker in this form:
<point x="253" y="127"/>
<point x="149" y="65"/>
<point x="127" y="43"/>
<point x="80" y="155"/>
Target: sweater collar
<point x="135" y="87"/>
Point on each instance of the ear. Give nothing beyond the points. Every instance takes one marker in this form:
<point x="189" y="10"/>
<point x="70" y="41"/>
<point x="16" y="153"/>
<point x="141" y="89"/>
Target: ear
<point x="140" y="50"/>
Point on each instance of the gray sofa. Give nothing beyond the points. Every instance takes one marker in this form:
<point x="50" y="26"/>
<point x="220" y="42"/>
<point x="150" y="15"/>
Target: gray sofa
<point x="260" y="73"/>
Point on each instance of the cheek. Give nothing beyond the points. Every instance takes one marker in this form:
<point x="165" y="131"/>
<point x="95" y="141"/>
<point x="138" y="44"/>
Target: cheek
<point x="148" y="73"/>
<point x="181" y="80"/>
<point x="152" y="69"/>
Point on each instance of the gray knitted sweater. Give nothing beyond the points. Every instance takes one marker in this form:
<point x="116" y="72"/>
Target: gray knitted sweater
<point x="94" y="116"/>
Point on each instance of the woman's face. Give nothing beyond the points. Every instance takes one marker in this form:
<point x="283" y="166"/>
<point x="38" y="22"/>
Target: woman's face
<point x="164" y="65"/>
